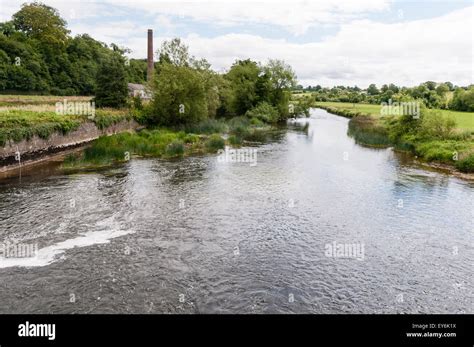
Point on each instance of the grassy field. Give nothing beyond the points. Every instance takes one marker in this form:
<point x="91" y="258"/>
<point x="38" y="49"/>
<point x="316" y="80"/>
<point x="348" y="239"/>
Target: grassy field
<point x="24" y="116"/>
<point x="16" y="100"/>
<point x="464" y="120"/>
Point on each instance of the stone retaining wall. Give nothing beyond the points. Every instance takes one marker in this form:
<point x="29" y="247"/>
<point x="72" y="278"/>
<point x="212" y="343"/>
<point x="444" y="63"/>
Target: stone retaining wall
<point x="36" y="147"/>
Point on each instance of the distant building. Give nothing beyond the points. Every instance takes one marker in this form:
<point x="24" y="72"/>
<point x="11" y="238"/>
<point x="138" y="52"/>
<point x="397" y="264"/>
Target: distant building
<point x="135" y="89"/>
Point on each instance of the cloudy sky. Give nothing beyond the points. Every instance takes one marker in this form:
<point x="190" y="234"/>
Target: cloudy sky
<point x="328" y="42"/>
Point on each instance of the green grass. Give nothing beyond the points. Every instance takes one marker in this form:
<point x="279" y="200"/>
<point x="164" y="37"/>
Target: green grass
<point x="16" y="100"/>
<point x="464" y="120"/>
<point x="161" y="143"/>
<point x="17" y="125"/>
<point x="167" y="143"/>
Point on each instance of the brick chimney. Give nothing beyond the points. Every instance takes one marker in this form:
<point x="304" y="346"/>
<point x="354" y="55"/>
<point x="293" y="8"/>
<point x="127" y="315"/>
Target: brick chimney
<point x="149" y="71"/>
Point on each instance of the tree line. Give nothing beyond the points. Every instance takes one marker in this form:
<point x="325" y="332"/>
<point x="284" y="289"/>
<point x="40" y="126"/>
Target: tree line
<point x="38" y="56"/>
<point x="434" y="95"/>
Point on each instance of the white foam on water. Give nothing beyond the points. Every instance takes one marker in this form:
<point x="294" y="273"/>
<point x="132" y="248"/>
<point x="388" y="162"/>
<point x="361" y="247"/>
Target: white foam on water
<point x="49" y="254"/>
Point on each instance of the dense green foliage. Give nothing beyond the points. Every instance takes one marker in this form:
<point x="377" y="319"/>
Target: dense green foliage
<point x="463" y="100"/>
<point x="168" y="143"/>
<point x="186" y="91"/>
<point x="38" y="56"/>
<point x="263" y="112"/>
<point x="179" y="96"/>
<point x="431" y="94"/>
<point x="111" y="89"/>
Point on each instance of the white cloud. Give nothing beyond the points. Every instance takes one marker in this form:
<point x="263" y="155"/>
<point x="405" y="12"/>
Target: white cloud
<point x="361" y="52"/>
<point x="296" y="16"/>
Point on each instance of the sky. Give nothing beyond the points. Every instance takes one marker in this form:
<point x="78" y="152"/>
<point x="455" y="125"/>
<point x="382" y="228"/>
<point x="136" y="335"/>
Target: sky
<point x="328" y="42"/>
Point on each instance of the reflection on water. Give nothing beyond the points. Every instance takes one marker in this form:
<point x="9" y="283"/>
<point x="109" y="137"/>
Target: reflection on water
<point x="198" y="235"/>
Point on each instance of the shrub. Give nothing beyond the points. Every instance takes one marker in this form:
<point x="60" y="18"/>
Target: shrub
<point x="215" y="142"/>
<point x="466" y="164"/>
<point x="264" y="112"/>
<point x="255" y="135"/>
<point x="239" y="125"/>
<point x="175" y="149"/>
<point x="235" y="140"/>
<point x="435" y="125"/>
<point x="207" y="126"/>
<point x="191" y="138"/>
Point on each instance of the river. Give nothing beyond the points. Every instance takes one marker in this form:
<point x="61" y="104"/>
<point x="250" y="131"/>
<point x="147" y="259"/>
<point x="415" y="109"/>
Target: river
<point x="198" y="235"/>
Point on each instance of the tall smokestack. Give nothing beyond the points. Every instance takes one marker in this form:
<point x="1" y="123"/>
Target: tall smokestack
<point x="149" y="71"/>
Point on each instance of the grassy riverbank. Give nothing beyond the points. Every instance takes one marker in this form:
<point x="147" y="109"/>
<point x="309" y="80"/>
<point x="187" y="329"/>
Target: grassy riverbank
<point x="22" y="117"/>
<point x="439" y="136"/>
<point x="464" y="120"/>
<point x="205" y="137"/>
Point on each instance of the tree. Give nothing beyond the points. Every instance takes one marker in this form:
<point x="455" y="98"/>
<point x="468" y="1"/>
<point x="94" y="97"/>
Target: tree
<point x="430" y="85"/>
<point x="179" y="95"/>
<point x="41" y="22"/>
<point x="463" y="100"/>
<point x="242" y="94"/>
<point x="372" y="90"/>
<point x="282" y="78"/>
<point x="111" y="90"/>
<point x="174" y="52"/>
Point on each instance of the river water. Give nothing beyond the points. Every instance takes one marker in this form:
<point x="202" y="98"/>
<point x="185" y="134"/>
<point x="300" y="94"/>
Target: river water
<point x="198" y="235"/>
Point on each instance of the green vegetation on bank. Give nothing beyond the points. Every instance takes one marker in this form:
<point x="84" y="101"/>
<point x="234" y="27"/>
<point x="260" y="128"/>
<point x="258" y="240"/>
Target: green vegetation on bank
<point x="464" y="120"/>
<point x="17" y="124"/>
<point x="168" y="143"/>
<point x="436" y="136"/>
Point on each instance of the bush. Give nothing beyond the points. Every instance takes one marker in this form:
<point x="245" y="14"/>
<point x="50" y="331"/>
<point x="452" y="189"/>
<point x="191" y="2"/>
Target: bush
<point x="235" y="140"/>
<point x="239" y="125"/>
<point x="435" y="125"/>
<point x="175" y="149"/>
<point x="207" y="126"/>
<point x="191" y="138"/>
<point x="215" y="142"/>
<point x="264" y="112"/>
<point x="443" y="151"/>
<point x="466" y="164"/>
<point x="302" y="107"/>
<point x="255" y="135"/>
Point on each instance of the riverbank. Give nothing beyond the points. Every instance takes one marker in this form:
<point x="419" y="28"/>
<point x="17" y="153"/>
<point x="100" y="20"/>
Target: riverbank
<point x="29" y="137"/>
<point x="32" y="130"/>
<point x="167" y="143"/>
<point x="437" y="140"/>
